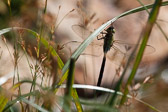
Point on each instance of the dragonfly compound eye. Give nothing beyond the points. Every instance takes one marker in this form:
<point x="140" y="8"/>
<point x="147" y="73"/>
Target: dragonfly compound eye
<point x="111" y="29"/>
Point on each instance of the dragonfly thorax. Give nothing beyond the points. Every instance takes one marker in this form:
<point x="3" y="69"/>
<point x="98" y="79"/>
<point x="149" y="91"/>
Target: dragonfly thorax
<point x="111" y="30"/>
<point x="108" y="40"/>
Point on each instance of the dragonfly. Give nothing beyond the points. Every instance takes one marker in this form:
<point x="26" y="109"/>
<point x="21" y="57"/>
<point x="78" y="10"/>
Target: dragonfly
<point x="109" y="42"/>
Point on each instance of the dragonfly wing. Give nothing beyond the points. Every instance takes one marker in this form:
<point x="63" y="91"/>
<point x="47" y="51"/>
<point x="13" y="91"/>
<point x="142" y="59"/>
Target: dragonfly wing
<point x="94" y="50"/>
<point x="91" y="50"/>
<point x="116" y="55"/>
<point x="127" y="48"/>
<point x="121" y="50"/>
<point x="81" y="30"/>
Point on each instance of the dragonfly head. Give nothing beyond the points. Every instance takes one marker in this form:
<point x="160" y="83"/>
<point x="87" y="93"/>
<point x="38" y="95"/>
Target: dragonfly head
<point x="111" y="29"/>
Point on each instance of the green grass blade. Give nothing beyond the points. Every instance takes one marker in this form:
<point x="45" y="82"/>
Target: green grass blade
<point x="53" y="52"/>
<point x="10" y="103"/>
<point x="70" y="81"/>
<point x="70" y="78"/>
<point x="77" y="101"/>
<point x="38" y="107"/>
<point x="3" y="100"/>
<point x="145" y="36"/>
<point x="6" y="30"/>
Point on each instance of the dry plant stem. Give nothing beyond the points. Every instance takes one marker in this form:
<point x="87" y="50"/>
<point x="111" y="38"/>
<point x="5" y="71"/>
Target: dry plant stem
<point x="38" y="55"/>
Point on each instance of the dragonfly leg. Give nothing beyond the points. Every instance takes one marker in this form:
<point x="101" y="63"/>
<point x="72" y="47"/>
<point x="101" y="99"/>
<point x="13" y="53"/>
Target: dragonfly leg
<point x="102" y="35"/>
<point x="100" y="38"/>
<point x="103" y="32"/>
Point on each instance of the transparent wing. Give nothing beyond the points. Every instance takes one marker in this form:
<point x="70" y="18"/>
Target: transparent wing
<point x="81" y="30"/>
<point x="120" y="49"/>
<point x="127" y="48"/>
<point x="91" y="50"/>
